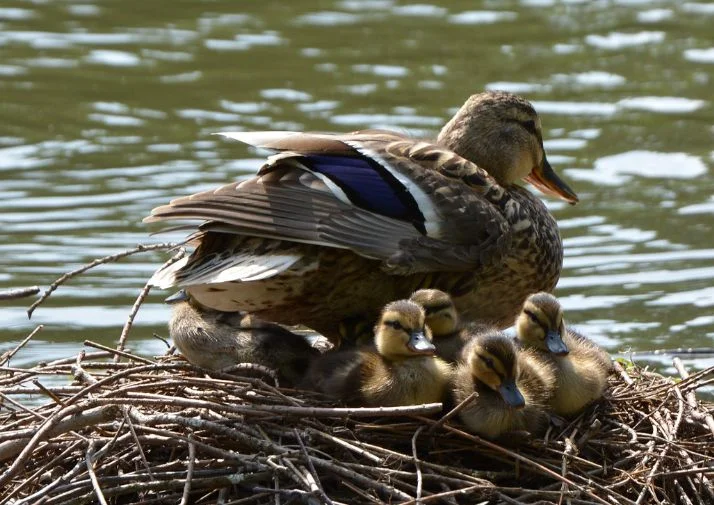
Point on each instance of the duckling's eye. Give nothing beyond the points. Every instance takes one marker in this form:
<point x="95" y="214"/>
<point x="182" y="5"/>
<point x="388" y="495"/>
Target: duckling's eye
<point x="487" y="360"/>
<point x="532" y="317"/>
<point x="394" y="324"/>
<point x="530" y="126"/>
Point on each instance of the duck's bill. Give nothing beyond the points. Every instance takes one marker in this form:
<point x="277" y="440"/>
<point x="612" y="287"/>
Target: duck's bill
<point x="419" y="344"/>
<point x="179" y="296"/>
<point x="511" y="394"/>
<point x="554" y="343"/>
<point x="546" y="180"/>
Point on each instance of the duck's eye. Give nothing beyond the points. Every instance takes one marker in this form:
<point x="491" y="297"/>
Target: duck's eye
<point x="394" y="324"/>
<point x="532" y="317"/>
<point x="487" y="360"/>
<point x="530" y="126"/>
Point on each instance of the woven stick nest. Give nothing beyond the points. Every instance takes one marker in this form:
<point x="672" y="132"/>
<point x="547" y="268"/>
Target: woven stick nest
<point x="128" y="429"/>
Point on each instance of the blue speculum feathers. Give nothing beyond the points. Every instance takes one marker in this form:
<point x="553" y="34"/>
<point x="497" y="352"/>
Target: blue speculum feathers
<point x="369" y="185"/>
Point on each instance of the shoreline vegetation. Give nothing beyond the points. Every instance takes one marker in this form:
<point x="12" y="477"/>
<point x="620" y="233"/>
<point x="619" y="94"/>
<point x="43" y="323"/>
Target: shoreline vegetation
<point x="132" y="429"/>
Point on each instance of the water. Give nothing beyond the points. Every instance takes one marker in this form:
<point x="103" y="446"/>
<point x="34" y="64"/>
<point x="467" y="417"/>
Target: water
<point x="108" y="110"/>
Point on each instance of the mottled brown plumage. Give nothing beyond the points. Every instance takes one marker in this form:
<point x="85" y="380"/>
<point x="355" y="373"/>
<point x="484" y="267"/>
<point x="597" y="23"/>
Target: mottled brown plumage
<point x="216" y="340"/>
<point x="581" y="366"/>
<point x="334" y="226"/>
<point x="393" y="372"/>
<point x="493" y="367"/>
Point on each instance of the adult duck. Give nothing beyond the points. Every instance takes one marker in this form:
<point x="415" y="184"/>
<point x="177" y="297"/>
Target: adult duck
<point x="334" y="226"/>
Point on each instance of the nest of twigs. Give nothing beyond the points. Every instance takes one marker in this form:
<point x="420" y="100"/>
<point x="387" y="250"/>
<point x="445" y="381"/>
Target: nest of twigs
<point x="129" y="429"/>
<point x="164" y="431"/>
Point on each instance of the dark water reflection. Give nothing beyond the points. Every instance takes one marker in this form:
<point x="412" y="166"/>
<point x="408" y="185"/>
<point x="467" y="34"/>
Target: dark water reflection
<point x="108" y="110"/>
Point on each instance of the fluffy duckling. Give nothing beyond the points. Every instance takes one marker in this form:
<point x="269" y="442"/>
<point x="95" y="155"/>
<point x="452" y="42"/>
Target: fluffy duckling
<point x="513" y="386"/>
<point x="401" y="369"/>
<point x="216" y="340"/>
<point x="581" y="366"/>
<point x="449" y="334"/>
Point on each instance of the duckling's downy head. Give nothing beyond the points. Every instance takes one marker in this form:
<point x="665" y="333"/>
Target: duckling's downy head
<point x="441" y="316"/>
<point x="493" y="359"/>
<point x="540" y="324"/>
<point x="401" y="331"/>
<point x="501" y="132"/>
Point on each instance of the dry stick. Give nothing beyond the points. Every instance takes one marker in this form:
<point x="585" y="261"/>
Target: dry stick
<point x="137" y="303"/>
<point x="127" y="419"/>
<point x="134" y="357"/>
<point x="92" y="475"/>
<point x="321" y="490"/>
<point x="359" y="478"/>
<point x="7" y="356"/>
<point x="618" y="368"/>
<point x="82" y="417"/>
<point x="452" y="412"/>
<point x="107" y="259"/>
<point x="416" y="465"/>
<point x="80" y="373"/>
<point x="189" y="471"/>
<point x="692" y="397"/>
<point x="48" y="392"/>
<point x="14" y="294"/>
<point x="527" y="461"/>
<point x="41" y="470"/>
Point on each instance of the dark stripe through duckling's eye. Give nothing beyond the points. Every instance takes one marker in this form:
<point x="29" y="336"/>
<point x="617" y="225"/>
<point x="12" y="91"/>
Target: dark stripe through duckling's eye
<point x="537" y="321"/>
<point x="489" y="363"/>
<point x="530" y="126"/>
<point x="394" y="324"/>
<point x="436" y="308"/>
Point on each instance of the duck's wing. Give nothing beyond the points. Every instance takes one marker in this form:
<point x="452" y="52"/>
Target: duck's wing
<point x="376" y="193"/>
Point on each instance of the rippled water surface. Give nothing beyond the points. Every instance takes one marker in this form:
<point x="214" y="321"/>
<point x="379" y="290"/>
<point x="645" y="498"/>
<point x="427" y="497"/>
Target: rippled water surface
<point x="108" y="109"/>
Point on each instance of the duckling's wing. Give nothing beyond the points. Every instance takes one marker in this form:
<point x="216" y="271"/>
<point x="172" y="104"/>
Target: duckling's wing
<point x="375" y="193"/>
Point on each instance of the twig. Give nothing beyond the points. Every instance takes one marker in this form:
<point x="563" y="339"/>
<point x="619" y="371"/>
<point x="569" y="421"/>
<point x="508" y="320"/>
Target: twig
<point x="14" y="294"/>
<point x="452" y="412"/>
<point x="119" y="353"/>
<point x="92" y="475"/>
<point x="8" y="355"/>
<point x="189" y="472"/>
<point x="137" y="303"/>
<point x="107" y="259"/>
<point x="417" y="466"/>
<point x="692" y="398"/>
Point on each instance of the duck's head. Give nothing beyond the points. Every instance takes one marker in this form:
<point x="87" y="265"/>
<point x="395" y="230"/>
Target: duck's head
<point x="540" y="324"/>
<point x="402" y="332"/>
<point x="441" y="316"/>
<point x="501" y="132"/>
<point x="493" y="359"/>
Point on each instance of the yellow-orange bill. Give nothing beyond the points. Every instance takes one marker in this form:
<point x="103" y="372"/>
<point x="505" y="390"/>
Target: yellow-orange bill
<point x="546" y="180"/>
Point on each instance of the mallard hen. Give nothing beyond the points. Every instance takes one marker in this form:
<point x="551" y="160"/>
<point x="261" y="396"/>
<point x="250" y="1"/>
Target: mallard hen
<point x="334" y="226"/>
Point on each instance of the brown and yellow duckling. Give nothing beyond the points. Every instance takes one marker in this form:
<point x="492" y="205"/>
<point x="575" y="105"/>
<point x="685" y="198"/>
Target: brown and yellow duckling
<point x="581" y="366"/>
<point x="401" y="369"/>
<point x="513" y="387"/>
<point x="334" y="226"/>
<point x="450" y="335"/>
<point x="215" y="340"/>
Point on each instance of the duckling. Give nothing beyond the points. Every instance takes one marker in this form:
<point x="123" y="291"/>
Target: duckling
<point x="513" y="386"/>
<point x="333" y="226"/>
<point x="215" y="340"/>
<point x="402" y="369"/>
<point x="581" y="366"/>
<point x="450" y="335"/>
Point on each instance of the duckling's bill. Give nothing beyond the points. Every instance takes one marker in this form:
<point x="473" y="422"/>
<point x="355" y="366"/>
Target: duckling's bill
<point x="545" y="179"/>
<point x="420" y="344"/>
<point x="180" y="296"/>
<point x="511" y="394"/>
<point x="554" y="343"/>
